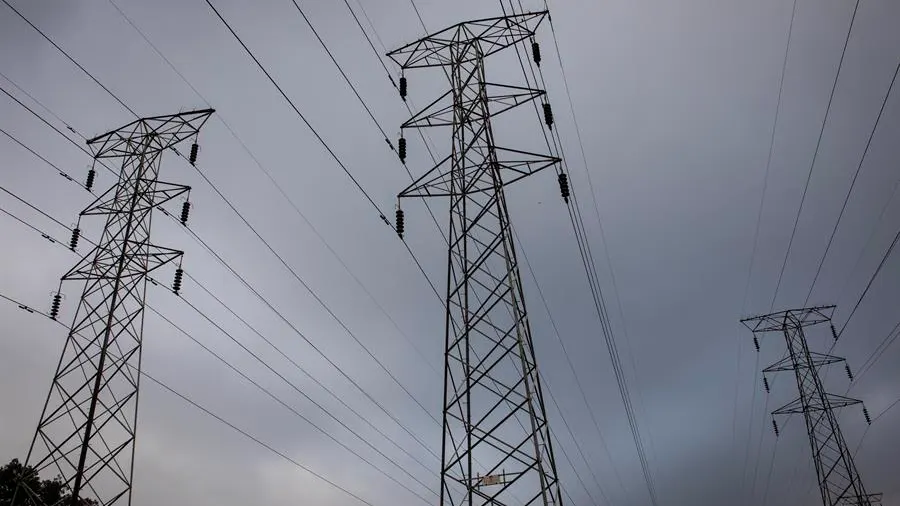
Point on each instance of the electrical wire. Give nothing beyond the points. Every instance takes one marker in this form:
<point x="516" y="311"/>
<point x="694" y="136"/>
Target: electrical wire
<point x="878" y="352"/>
<point x="811" y="169"/>
<point x="262" y="362"/>
<point x="769" y="477"/>
<point x="201" y="174"/>
<point x="305" y="396"/>
<point x="755" y="250"/>
<point x="815" y="154"/>
<point x="852" y="184"/>
<point x="317" y="298"/>
<point x="517" y="240"/>
<point x="274" y="182"/>
<point x="599" y="302"/>
<point x="862" y="296"/>
<point x="435" y="161"/>
<point x="61" y="50"/>
<point x="330" y="392"/>
<point x="578" y="384"/>
<point x="303" y="371"/>
<point x="57" y="130"/>
<point x="311" y="292"/>
<point x="219" y="418"/>
<point x="300" y="114"/>
<point x="352" y="178"/>
<point x="343" y="74"/>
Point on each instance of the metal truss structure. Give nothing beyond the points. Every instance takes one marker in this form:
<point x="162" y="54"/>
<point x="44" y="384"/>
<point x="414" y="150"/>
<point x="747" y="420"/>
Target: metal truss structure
<point x="839" y="480"/>
<point x="87" y="429"/>
<point x="496" y="439"/>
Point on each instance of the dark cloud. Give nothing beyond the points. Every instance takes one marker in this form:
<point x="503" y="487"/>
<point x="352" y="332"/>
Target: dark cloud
<point x="675" y="103"/>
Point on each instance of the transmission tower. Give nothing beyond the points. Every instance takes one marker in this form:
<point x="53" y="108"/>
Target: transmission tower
<point x="87" y="428"/>
<point x="496" y="440"/>
<point x="839" y="480"/>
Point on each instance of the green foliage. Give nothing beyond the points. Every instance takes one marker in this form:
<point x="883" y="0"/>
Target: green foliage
<point x="49" y="492"/>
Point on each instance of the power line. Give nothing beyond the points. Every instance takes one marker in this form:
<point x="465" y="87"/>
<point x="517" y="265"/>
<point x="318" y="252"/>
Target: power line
<point x="304" y="372"/>
<point x="318" y="299"/>
<point x="271" y="179"/>
<point x="258" y="359"/>
<point x="815" y="154"/>
<point x="294" y="363"/>
<point x="870" y="240"/>
<point x="300" y="114"/>
<point x="882" y="347"/>
<point x="38" y="102"/>
<point x="279" y="257"/>
<point x="212" y="414"/>
<point x="343" y="74"/>
<point x="107" y="90"/>
<point x="33" y="208"/>
<point x="578" y="385"/>
<point x="211" y="251"/>
<point x="755" y="248"/>
<point x="884" y="258"/>
<point x="255" y="439"/>
<point x="599" y="302"/>
<point x="61" y="50"/>
<point x="316" y="296"/>
<point x="408" y="106"/>
<point x="853" y="183"/>
<point x="57" y="130"/>
<point x="304" y="395"/>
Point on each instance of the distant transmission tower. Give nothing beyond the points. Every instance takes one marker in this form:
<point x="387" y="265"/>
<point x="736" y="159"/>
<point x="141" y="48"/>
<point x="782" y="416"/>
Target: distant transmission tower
<point x="496" y="440"/>
<point x="86" y="432"/>
<point x="839" y="480"/>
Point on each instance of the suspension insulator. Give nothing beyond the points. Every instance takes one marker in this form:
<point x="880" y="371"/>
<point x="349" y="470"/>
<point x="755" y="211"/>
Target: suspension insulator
<point x="403" y="88"/>
<point x="756" y="342"/>
<point x="185" y="210"/>
<point x="849" y="372"/>
<point x="775" y="426"/>
<point x="73" y="242"/>
<point x="90" y="179"/>
<point x="176" y="285"/>
<point x="766" y="384"/>
<point x="54" y="307"/>
<point x="536" y="53"/>
<point x="401" y="148"/>
<point x="564" y="186"/>
<point x="548" y="115"/>
<point x="194" y="149"/>
<point x="866" y="414"/>
<point x="400" y="224"/>
<point x="834" y="333"/>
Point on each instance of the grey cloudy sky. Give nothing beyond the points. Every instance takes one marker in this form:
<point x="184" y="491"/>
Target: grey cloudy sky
<point x="675" y="100"/>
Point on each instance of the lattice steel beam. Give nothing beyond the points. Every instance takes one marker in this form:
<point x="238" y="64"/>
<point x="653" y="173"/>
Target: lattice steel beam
<point x="87" y="428"/>
<point x="838" y="477"/>
<point x="496" y="439"/>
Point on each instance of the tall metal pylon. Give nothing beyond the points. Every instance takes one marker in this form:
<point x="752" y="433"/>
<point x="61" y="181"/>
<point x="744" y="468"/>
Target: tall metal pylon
<point x="496" y="439"/>
<point x="87" y="428"/>
<point x="838" y="477"/>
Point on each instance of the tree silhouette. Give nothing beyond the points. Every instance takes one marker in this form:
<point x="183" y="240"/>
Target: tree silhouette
<point x="51" y="492"/>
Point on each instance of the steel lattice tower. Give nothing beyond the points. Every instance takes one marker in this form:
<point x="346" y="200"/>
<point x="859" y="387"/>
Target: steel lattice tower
<point x="496" y="440"/>
<point x="87" y="428"/>
<point x="839" y="480"/>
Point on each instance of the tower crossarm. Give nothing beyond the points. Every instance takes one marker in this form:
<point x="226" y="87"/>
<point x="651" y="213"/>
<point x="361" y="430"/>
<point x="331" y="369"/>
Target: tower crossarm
<point x="791" y="318"/>
<point x="815" y="360"/>
<point x="828" y="401"/>
<point x="441" y="112"/>
<point x="512" y="164"/>
<point x="157" y="194"/>
<point x="152" y="134"/>
<point x="492" y="34"/>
